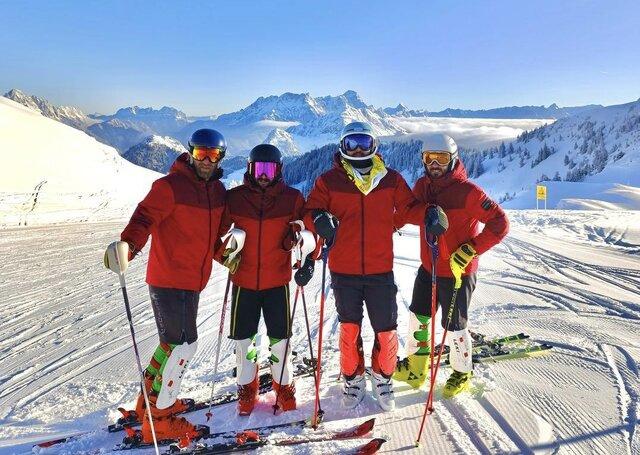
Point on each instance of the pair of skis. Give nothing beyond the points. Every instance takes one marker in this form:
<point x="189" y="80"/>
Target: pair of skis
<point x="130" y="418"/>
<point x="258" y="437"/>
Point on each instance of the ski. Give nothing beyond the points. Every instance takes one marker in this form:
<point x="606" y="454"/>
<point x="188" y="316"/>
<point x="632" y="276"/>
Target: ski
<point x="480" y="341"/>
<point x="134" y="437"/>
<point x="248" y="441"/>
<point x="129" y="418"/>
<point x="489" y="355"/>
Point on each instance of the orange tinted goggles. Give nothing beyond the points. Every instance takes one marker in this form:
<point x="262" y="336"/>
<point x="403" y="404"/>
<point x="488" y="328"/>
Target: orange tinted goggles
<point x="442" y="158"/>
<point x="213" y="153"/>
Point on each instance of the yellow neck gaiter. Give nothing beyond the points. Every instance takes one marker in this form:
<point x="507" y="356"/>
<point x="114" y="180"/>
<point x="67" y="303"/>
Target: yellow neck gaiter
<point x="366" y="183"/>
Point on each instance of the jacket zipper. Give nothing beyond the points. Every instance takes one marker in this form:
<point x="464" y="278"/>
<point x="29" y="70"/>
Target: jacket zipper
<point x="362" y="222"/>
<point x="259" y="240"/>
<point x="204" y="261"/>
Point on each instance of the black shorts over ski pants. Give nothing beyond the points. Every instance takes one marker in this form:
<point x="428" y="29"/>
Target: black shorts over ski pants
<point x="175" y="311"/>
<point x="421" y="301"/>
<point x="377" y="291"/>
<point x="245" y="312"/>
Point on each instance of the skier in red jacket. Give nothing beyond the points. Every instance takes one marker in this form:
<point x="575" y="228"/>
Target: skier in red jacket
<point x="352" y="207"/>
<point x="445" y="186"/>
<point x="182" y="213"/>
<point x="266" y="209"/>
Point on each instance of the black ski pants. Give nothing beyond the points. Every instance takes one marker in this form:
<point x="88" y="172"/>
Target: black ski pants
<point x="175" y="311"/>
<point x="377" y="292"/>
<point x="247" y="305"/>
<point x="421" y="301"/>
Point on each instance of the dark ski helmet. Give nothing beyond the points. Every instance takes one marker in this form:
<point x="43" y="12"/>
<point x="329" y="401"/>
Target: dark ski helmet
<point x="207" y="137"/>
<point x="266" y="153"/>
<point x="265" y="159"/>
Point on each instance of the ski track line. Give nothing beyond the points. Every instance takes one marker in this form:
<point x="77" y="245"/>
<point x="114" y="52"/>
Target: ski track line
<point x="628" y="394"/>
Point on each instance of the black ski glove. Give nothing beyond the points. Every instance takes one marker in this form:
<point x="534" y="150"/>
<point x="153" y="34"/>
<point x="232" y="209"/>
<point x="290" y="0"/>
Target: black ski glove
<point x="435" y="220"/>
<point x="325" y="224"/>
<point x="305" y="272"/>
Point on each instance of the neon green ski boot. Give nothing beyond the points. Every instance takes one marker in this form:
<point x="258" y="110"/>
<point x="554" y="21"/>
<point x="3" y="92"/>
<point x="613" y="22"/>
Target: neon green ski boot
<point x="457" y="382"/>
<point x="413" y="369"/>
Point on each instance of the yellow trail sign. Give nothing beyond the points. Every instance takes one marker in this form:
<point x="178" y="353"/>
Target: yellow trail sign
<point x="541" y="192"/>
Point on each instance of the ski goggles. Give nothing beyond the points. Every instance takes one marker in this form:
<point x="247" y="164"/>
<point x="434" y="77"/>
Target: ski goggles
<point x="214" y="154"/>
<point x="259" y="168"/>
<point x="357" y="141"/>
<point x="442" y="158"/>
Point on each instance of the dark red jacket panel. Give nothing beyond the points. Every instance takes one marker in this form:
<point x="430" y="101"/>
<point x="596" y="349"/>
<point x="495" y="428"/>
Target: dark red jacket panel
<point x="182" y="214"/>
<point x="265" y="217"/>
<point x="364" y="239"/>
<point x="466" y="206"/>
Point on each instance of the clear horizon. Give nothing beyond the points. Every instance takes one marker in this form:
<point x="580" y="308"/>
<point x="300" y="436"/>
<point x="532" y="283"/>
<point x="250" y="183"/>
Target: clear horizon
<point x="208" y="58"/>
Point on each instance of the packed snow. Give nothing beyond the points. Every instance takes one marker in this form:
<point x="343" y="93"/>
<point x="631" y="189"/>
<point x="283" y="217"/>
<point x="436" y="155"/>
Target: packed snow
<point x="67" y="363"/>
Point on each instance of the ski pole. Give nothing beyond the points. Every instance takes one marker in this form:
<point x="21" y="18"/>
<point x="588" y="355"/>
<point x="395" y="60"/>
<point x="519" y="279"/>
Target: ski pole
<point x="286" y="349"/>
<point x="306" y="319"/>
<point x="433" y="243"/>
<point x="316" y="405"/>
<point x="220" y="330"/>
<point x="429" y="405"/>
<point x="114" y="253"/>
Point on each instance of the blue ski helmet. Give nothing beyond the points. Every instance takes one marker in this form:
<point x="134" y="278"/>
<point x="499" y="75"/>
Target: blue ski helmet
<point x="207" y="137"/>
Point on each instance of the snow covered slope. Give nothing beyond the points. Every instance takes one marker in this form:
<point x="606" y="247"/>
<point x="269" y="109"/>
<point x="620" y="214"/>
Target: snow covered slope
<point x="68" y="115"/>
<point x="592" y="160"/>
<point x="53" y="173"/>
<point x="66" y="359"/>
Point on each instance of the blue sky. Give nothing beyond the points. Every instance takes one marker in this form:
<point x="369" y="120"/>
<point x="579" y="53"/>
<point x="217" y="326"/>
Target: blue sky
<point x="209" y="57"/>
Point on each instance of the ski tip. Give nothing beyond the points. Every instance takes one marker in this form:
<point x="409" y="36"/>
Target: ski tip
<point x="370" y="447"/>
<point x="367" y="426"/>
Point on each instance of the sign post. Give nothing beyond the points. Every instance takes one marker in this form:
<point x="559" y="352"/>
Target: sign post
<point x="541" y="194"/>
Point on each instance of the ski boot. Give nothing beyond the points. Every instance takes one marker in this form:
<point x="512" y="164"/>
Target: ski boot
<point x="285" y="396"/>
<point x="353" y="392"/>
<point x="181" y="405"/>
<point x="169" y="427"/>
<point x="247" y="397"/>
<point x="383" y="391"/>
<point x="457" y="382"/>
<point x="413" y="368"/>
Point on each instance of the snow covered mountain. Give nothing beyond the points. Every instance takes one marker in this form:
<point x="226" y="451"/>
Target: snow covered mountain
<point x="309" y="122"/>
<point x="68" y="115"/>
<point x="283" y="140"/>
<point x="156" y="153"/>
<point x="589" y="160"/>
<point x="67" y="177"/>
<point x="513" y="112"/>
<point x="120" y="134"/>
<point x="164" y="121"/>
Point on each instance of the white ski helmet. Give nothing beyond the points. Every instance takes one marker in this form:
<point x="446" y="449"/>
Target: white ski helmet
<point x="441" y="143"/>
<point x="358" y="128"/>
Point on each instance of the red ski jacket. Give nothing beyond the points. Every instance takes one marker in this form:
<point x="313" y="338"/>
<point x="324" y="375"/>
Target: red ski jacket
<point x="466" y="206"/>
<point x="264" y="215"/>
<point x="182" y="213"/>
<point x="363" y="243"/>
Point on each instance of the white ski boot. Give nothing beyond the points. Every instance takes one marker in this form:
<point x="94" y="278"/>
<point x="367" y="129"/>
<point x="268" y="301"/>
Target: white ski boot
<point x="383" y="391"/>
<point x="353" y="392"/>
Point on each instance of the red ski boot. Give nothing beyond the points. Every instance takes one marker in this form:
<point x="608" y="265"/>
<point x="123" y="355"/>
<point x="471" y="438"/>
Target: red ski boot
<point x="247" y="397"/>
<point x="285" y="396"/>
